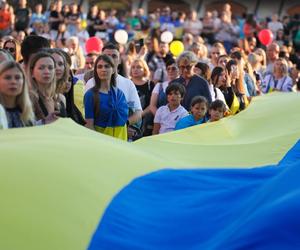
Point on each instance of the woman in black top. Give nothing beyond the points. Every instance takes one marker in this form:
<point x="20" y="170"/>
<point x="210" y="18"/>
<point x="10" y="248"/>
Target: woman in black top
<point x="140" y="73"/>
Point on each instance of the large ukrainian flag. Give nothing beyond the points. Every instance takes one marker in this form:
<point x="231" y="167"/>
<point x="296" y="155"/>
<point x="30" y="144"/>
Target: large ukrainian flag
<point x="234" y="184"/>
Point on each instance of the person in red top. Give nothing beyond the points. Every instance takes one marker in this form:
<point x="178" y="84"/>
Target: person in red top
<point x="251" y="27"/>
<point x="5" y="19"/>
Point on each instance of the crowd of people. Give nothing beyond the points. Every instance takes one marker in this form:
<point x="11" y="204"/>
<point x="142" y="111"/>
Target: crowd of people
<point x="139" y="88"/>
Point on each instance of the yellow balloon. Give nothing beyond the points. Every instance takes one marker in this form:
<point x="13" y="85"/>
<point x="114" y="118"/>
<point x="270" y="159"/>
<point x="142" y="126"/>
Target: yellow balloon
<point x="176" y="47"/>
<point x="83" y="24"/>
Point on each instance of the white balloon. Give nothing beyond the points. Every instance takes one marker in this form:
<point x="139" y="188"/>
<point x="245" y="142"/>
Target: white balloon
<point x="121" y="36"/>
<point x="166" y="37"/>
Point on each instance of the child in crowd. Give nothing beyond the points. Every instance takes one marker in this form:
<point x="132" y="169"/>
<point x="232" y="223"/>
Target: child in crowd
<point x="199" y="106"/>
<point x="167" y="116"/>
<point x="216" y="110"/>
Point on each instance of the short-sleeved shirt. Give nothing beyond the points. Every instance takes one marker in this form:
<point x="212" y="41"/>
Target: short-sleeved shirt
<point x="168" y="119"/>
<point x="23" y="18"/>
<point x="188" y="121"/>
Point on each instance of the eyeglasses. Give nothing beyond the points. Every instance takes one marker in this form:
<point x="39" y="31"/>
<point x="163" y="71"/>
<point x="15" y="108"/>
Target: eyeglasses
<point x="172" y="68"/>
<point x="11" y="50"/>
<point x="187" y="67"/>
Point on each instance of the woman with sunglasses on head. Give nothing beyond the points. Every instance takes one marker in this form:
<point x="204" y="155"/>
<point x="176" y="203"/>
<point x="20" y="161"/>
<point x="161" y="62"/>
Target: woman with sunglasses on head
<point x="106" y="109"/>
<point x="158" y="96"/>
<point x="194" y="84"/>
<point x="14" y="96"/>
<point x="14" y="48"/>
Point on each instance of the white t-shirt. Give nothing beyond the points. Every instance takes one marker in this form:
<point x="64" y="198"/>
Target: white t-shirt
<point x="127" y="87"/>
<point x="168" y="119"/>
<point x="274" y="27"/>
<point x="218" y="95"/>
<point x="158" y="86"/>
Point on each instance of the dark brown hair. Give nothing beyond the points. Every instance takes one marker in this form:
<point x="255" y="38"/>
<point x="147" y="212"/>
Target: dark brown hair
<point x="97" y="86"/>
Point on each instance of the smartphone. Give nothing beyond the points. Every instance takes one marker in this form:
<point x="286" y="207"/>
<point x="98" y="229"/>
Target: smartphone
<point x="138" y="45"/>
<point x="141" y="42"/>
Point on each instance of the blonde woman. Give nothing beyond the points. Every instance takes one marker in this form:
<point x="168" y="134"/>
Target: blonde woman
<point x="140" y="74"/>
<point x="65" y="97"/>
<point x="62" y="77"/>
<point x="262" y="59"/>
<point x="253" y="59"/>
<point x="43" y="85"/>
<point x="249" y="72"/>
<point x="279" y="80"/>
<point x="14" y="96"/>
<point x="76" y="53"/>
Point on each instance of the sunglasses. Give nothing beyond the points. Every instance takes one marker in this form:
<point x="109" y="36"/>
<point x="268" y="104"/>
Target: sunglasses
<point x="171" y="68"/>
<point x="187" y="67"/>
<point x="11" y="50"/>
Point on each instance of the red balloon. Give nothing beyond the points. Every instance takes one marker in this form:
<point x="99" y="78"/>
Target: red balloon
<point x="265" y="36"/>
<point x="93" y="44"/>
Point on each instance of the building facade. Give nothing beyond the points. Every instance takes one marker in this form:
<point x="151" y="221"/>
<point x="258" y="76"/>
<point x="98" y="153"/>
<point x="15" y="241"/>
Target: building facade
<point x="262" y="8"/>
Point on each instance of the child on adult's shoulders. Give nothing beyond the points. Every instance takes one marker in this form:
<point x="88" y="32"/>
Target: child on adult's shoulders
<point x="199" y="106"/>
<point x="167" y="116"/>
<point x="216" y="110"/>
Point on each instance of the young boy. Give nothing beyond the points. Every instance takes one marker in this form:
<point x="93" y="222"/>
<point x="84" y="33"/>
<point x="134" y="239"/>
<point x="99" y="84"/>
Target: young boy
<point x="199" y="106"/>
<point x="167" y="116"/>
<point x="216" y="110"/>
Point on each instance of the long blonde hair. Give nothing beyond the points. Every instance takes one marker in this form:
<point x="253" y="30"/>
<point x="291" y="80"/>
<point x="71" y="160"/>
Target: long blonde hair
<point x="23" y="101"/>
<point x="61" y="83"/>
<point x="261" y="52"/>
<point x="35" y="86"/>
